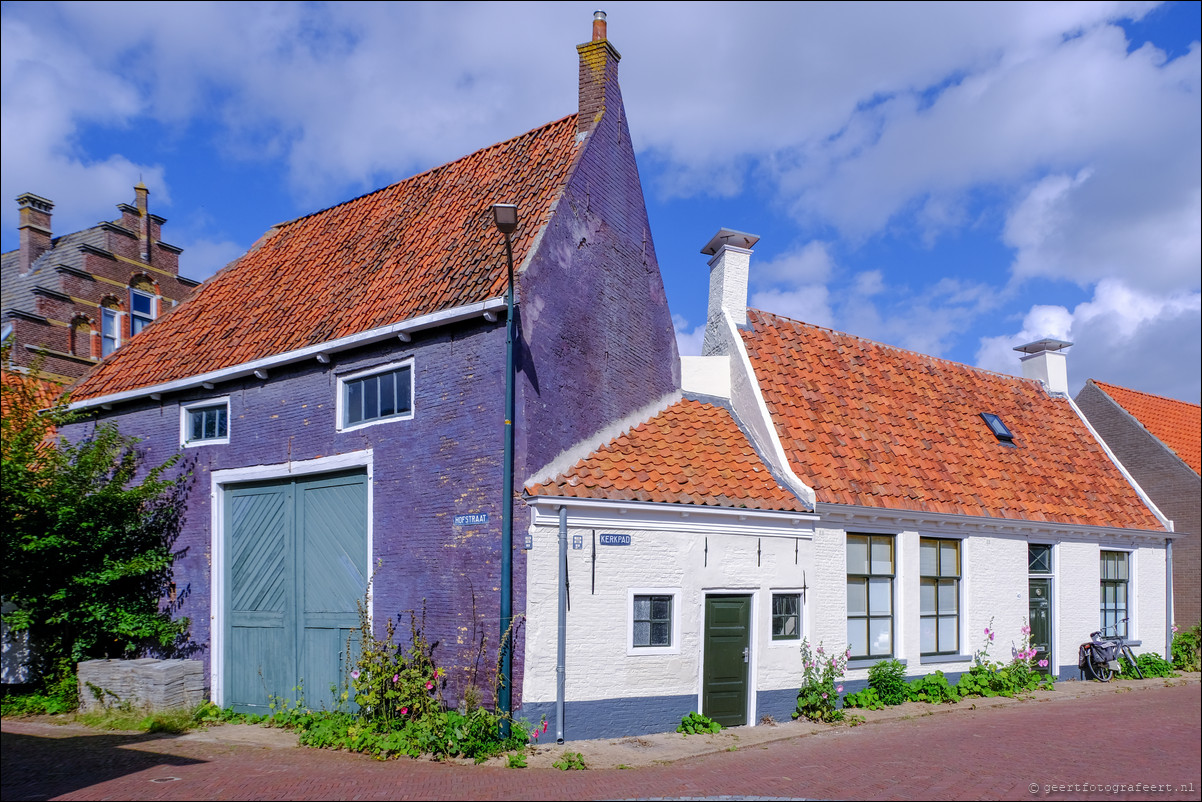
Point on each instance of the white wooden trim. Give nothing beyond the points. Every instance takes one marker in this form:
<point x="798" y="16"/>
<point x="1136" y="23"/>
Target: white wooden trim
<point x="677" y="613"/>
<point x="644" y="515"/>
<point x="442" y="318"/>
<point x="184" y="409"/>
<point x="255" y="473"/>
<point x="340" y="395"/>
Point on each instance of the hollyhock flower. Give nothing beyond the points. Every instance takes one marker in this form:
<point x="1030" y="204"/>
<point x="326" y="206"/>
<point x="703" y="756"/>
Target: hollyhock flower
<point x="355" y="674"/>
<point x="404" y="711"/>
<point x="839" y="689"/>
<point x="824" y="696"/>
<point x="429" y="686"/>
<point x="396" y="677"/>
<point x="1043" y="663"/>
<point x="1026" y="630"/>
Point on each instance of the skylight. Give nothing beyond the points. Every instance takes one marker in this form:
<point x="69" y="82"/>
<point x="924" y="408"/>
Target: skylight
<point x="998" y="428"/>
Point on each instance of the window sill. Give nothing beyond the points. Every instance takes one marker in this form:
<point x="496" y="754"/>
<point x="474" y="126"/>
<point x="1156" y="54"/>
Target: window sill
<point x="869" y="662"/>
<point x="944" y="658"/>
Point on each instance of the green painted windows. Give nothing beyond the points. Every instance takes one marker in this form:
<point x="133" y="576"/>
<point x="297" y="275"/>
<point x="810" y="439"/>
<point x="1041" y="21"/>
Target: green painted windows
<point x="786" y="616"/>
<point x="870" y="574"/>
<point x="939" y="595"/>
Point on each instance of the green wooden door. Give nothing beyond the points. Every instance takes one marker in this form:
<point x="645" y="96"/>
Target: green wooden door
<point x="1040" y="596"/>
<point x="296" y="566"/>
<point x="727" y="655"/>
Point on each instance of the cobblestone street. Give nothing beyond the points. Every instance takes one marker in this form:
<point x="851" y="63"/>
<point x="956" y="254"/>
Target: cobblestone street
<point x="1046" y="748"/>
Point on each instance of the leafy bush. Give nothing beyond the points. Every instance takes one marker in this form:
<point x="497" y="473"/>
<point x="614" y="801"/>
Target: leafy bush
<point x="818" y="697"/>
<point x="695" y="723"/>
<point x="888" y="679"/>
<point x="570" y="761"/>
<point x="88" y="541"/>
<point x="1187" y="648"/>
<point x="934" y="688"/>
<point x="866" y="699"/>
<point x="1150" y="665"/>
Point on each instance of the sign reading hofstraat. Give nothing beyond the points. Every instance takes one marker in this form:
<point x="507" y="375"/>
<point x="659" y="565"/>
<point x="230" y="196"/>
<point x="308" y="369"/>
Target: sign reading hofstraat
<point x="615" y="540"/>
<point x="475" y="519"/>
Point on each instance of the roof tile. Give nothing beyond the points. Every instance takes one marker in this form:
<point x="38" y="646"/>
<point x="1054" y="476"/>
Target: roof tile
<point x="916" y="437"/>
<point x="1177" y="424"/>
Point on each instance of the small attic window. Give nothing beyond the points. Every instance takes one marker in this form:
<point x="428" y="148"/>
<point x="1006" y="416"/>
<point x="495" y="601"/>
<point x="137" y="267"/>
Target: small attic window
<point x="1003" y="434"/>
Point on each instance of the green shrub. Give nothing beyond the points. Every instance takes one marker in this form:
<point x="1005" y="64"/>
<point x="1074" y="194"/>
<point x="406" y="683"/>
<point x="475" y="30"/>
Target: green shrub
<point x="1150" y="665"/>
<point x="866" y="699"/>
<point x="570" y="761"/>
<point x="1187" y="648"/>
<point x="933" y="688"/>
<point x="695" y="723"/>
<point x="888" y="679"/>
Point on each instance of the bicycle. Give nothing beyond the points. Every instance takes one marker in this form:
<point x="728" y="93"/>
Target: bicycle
<point x="1100" y="657"/>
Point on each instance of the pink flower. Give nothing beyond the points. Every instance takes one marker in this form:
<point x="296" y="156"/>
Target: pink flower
<point x="839" y="688"/>
<point x="819" y="649"/>
<point x="1043" y="663"/>
<point x="1026" y="630"/>
<point x="404" y="711"/>
<point x="396" y="677"/>
<point x="824" y="696"/>
<point x="545" y="723"/>
<point x="355" y="674"/>
<point x="429" y="686"/>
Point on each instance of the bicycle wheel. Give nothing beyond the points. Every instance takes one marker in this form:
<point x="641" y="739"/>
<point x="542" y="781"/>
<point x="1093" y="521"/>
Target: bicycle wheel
<point x="1100" y="670"/>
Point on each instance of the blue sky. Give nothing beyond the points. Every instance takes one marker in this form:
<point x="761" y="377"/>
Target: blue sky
<point x="954" y="178"/>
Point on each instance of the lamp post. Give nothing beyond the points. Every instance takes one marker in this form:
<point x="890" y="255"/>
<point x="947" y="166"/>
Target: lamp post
<point x="505" y="215"/>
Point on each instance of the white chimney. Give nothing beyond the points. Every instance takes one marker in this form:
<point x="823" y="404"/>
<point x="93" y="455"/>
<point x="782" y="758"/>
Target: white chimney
<point x="1045" y="360"/>
<point x="729" y="267"/>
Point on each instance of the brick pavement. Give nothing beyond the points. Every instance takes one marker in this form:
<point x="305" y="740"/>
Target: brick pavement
<point x="1149" y="736"/>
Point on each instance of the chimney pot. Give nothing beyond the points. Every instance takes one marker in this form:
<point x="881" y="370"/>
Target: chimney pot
<point x="730" y="264"/>
<point x="599" y="26"/>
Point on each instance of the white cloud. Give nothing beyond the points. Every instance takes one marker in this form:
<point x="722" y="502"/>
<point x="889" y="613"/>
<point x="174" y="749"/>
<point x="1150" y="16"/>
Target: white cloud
<point x="688" y="341"/>
<point x="1122" y="335"/>
<point x="808" y="304"/>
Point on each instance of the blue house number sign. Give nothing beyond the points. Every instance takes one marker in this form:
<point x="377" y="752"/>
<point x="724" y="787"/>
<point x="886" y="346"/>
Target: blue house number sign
<point x="615" y="540"/>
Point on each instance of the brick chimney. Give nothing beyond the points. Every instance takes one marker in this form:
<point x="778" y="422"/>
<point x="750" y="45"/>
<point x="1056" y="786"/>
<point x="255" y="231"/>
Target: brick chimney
<point x="142" y="201"/>
<point x="729" y="267"/>
<point x="1045" y="360"/>
<point x="34" y="227"/>
<point x="598" y="75"/>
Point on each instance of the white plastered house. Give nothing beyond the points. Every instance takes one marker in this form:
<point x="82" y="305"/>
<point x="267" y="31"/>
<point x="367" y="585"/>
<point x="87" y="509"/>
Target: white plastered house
<point x="813" y="484"/>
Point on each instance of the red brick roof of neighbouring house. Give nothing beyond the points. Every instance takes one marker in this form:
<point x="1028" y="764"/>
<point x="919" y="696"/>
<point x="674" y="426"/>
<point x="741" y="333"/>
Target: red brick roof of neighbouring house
<point x="873" y="425"/>
<point x="1177" y="424"/>
<point x="691" y="453"/>
<point x="421" y="246"/>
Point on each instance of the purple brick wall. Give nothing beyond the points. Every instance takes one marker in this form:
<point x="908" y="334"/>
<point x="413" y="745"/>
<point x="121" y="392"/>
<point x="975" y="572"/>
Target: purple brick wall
<point x="600" y="345"/>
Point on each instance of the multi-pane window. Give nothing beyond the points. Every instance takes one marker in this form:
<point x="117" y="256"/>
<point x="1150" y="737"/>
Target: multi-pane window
<point x="870" y="573"/>
<point x="652" y="620"/>
<point x="378" y="396"/>
<point x="1039" y="558"/>
<point x="939" y="595"/>
<point x="141" y="311"/>
<point x="206" y="423"/>
<point x="110" y="330"/>
<point x="1115" y="574"/>
<point x="786" y="616"/>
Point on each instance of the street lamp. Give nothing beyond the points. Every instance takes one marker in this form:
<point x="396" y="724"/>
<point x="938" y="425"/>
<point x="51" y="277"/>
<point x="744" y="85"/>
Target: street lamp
<point x="505" y="215"/>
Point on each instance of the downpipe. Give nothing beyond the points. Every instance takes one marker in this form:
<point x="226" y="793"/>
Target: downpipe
<point x="561" y="646"/>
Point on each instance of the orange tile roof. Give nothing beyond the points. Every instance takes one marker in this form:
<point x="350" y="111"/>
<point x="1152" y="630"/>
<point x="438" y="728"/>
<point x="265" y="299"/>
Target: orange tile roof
<point x="420" y="246"/>
<point x="691" y="453"/>
<point x="1177" y="424"/>
<point x="872" y="425"/>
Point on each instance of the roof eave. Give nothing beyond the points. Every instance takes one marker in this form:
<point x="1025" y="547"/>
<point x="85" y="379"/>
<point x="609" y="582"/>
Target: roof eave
<point x="433" y="320"/>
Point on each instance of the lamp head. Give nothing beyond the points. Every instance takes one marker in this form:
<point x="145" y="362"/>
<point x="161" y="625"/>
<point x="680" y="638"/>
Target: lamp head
<point x="505" y="215"/>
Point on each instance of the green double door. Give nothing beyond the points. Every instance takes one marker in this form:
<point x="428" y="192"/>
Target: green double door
<point x="295" y="568"/>
<point x="727" y="659"/>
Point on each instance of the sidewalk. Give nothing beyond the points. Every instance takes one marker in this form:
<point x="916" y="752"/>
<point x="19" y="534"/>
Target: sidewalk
<point x="1130" y="731"/>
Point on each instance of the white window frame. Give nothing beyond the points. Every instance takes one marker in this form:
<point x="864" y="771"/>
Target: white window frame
<point x="788" y="643"/>
<point x="645" y="651"/>
<point x="154" y="308"/>
<point x="117" y="328"/>
<point x="185" y="414"/>
<point x="340" y="401"/>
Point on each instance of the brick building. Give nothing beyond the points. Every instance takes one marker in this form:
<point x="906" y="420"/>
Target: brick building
<point x="338" y="395"/>
<point x="76" y="298"/>
<point x="1159" y="440"/>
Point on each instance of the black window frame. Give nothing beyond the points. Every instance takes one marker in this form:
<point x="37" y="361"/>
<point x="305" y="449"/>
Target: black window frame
<point x="651" y="620"/>
<point x="780" y="619"/>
